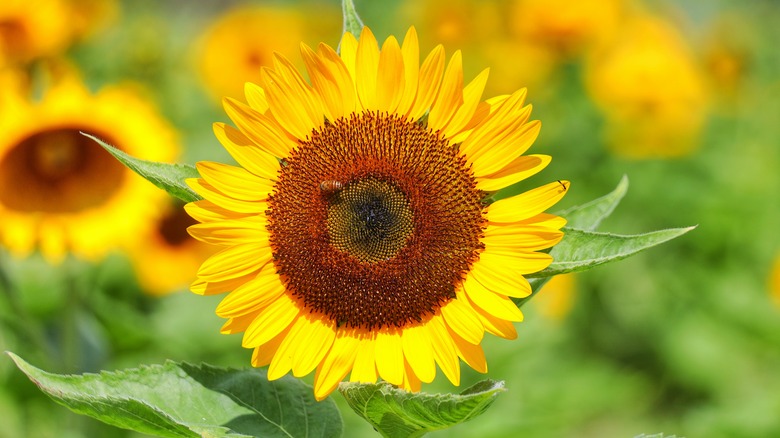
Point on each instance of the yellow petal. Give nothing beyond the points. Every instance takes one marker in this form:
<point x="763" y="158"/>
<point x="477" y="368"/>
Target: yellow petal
<point x="228" y="202"/>
<point x="294" y="105"/>
<point x="444" y="349"/>
<point x="472" y="354"/>
<point x="348" y="53"/>
<point x="389" y="356"/>
<point x="410" y="50"/>
<point x="283" y="359"/>
<point x="512" y="238"/>
<point x="235" y="181"/>
<point x="519" y="169"/>
<point x="419" y="352"/>
<point x="411" y="382"/>
<point x="253" y="295"/>
<point x="202" y="287"/>
<point x="237" y="324"/>
<point x="313" y="343"/>
<point x="471" y="99"/>
<point x="499" y="260"/>
<point x="391" y="78"/>
<point x="492" y="303"/>
<point x="252" y="155"/>
<point x="507" y="116"/>
<point x="528" y="204"/>
<point x="207" y="211"/>
<point x="366" y="69"/>
<point x="337" y="363"/>
<point x="258" y="130"/>
<point x="234" y="261"/>
<point x="506" y="146"/>
<point x="324" y="83"/>
<point x="365" y="364"/>
<point x="342" y="78"/>
<point x="503" y="280"/>
<point x="495" y="326"/>
<point x="541" y="220"/>
<point x="450" y="96"/>
<point x="264" y="354"/>
<point x="255" y="97"/>
<point x="270" y="322"/>
<point x="232" y="231"/>
<point x="428" y="83"/>
<point x="461" y="319"/>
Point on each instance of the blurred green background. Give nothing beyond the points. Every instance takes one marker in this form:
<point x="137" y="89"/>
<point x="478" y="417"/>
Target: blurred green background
<point x="681" y="96"/>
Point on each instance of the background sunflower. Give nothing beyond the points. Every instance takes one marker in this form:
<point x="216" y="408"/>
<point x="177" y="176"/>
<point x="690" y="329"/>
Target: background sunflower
<point x="681" y="339"/>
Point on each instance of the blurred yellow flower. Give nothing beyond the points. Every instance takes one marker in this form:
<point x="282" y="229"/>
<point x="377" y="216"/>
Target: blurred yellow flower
<point x="235" y="47"/>
<point x="516" y="63"/>
<point x="60" y="191"/>
<point x="651" y="90"/>
<point x="563" y="26"/>
<point x="167" y="258"/>
<point x="459" y="23"/>
<point x="727" y="55"/>
<point x="556" y="298"/>
<point x="89" y="16"/>
<point x="31" y="29"/>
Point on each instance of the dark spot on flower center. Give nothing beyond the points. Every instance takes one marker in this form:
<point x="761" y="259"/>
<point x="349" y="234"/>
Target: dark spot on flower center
<point x="172" y="227"/>
<point x="369" y="219"/>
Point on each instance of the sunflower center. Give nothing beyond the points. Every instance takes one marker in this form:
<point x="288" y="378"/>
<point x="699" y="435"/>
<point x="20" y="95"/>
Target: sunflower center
<point x="58" y="171"/>
<point x="172" y="227"/>
<point x="375" y="221"/>
<point x="369" y="219"/>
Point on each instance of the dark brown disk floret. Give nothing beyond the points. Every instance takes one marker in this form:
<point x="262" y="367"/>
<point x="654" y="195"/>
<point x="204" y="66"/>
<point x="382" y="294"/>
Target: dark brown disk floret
<point x="374" y="221"/>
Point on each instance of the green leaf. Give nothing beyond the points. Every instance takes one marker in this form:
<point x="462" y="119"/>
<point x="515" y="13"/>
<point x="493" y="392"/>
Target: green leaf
<point x="183" y="400"/>
<point x="352" y="22"/>
<point x="589" y="216"/>
<point x="397" y="413"/>
<point x="169" y="177"/>
<point x="581" y="250"/>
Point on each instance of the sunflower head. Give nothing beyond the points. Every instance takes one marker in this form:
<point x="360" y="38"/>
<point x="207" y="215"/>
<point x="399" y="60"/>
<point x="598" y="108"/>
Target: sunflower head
<point x="60" y="191"/>
<point x="355" y="231"/>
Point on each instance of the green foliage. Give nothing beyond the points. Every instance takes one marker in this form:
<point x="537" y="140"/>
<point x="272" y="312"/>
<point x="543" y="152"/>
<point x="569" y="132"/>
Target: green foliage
<point x="169" y="177"/>
<point x="581" y="250"/>
<point x="588" y="216"/>
<point x="399" y="414"/>
<point x="182" y="400"/>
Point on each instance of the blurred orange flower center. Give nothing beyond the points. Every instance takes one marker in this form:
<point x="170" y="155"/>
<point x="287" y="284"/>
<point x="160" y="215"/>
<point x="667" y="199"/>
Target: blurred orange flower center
<point x="58" y="171"/>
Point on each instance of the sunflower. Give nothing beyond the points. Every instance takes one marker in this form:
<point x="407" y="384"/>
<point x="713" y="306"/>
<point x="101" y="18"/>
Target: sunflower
<point x="623" y="78"/>
<point x="59" y="190"/>
<point x="29" y="30"/>
<point x="356" y="237"/>
<point x="244" y="39"/>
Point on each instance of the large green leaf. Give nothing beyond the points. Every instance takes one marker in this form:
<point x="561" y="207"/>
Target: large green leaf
<point x="581" y="250"/>
<point x="398" y="414"/>
<point x="169" y="177"/>
<point x="183" y="400"/>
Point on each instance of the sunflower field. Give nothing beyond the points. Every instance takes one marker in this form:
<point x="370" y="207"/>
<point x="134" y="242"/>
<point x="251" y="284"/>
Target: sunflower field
<point x="261" y="218"/>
